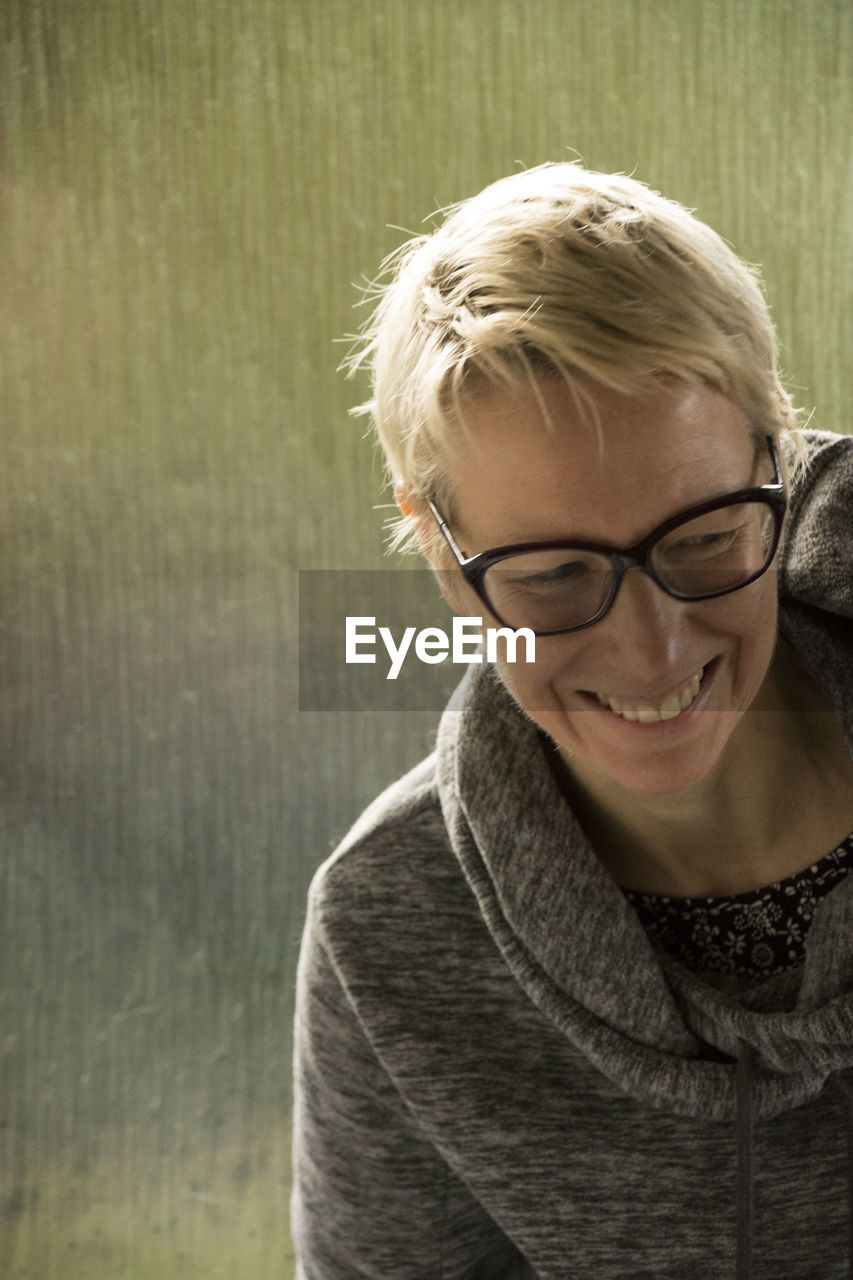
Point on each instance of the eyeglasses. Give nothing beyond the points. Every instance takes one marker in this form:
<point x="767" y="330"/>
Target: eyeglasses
<point x="556" y="587"/>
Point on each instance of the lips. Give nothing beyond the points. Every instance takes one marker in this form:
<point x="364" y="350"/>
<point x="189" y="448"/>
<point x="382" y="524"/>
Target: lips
<point x="651" y="713"/>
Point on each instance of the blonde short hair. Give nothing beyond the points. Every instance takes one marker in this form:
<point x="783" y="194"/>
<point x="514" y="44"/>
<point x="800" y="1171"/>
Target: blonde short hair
<point x="559" y="271"/>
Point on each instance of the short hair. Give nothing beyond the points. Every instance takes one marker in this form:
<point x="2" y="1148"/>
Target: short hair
<point x="559" y="271"/>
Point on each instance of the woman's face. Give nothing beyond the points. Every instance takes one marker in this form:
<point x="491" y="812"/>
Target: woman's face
<point x="600" y="693"/>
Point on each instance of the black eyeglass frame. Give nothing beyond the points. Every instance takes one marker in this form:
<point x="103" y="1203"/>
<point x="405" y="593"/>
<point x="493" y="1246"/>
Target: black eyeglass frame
<point x="474" y="568"/>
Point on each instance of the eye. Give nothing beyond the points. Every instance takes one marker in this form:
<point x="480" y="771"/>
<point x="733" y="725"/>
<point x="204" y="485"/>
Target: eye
<point x="705" y="541"/>
<point x="559" y="578"/>
<point x="569" y="571"/>
<point x="693" y="543"/>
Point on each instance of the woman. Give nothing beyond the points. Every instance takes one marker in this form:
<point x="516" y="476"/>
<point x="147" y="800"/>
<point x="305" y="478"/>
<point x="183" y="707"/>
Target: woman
<point x="576" y="995"/>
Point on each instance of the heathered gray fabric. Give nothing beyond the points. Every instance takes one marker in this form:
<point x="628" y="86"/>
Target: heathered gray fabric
<point x="496" y="1075"/>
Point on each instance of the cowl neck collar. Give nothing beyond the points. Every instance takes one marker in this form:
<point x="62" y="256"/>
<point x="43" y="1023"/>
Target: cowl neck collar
<point x="566" y="930"/>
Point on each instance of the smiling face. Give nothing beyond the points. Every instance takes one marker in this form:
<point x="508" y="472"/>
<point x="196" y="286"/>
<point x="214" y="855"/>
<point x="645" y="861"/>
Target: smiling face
<point x="652" y="697"/>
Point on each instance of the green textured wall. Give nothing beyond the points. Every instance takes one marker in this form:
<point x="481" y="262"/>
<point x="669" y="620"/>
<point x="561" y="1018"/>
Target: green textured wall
<point x="188" y="191"/>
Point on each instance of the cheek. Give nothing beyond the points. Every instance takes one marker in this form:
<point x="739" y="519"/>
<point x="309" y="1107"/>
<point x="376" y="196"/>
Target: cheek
<point x="742" y="630"/>
<point x="753" y="616"/>
<point x="537" y="686"/>
<point x="757" y="650"/>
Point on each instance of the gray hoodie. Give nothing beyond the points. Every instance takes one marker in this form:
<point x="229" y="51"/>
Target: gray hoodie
<point x="497" y="1075"/>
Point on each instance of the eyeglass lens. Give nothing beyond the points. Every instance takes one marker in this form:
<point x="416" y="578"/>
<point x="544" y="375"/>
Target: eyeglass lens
<point x="560" y="588"/>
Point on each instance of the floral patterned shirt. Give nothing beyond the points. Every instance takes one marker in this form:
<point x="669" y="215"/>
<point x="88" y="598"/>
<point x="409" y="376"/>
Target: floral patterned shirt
<point x="750" y="935"/>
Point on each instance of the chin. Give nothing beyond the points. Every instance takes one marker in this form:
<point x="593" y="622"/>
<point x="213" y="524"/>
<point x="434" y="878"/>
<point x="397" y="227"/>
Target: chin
<point x="654" y="761"/>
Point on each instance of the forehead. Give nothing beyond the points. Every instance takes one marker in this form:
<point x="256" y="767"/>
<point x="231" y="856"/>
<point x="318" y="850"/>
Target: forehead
<point x="545" y="463"/>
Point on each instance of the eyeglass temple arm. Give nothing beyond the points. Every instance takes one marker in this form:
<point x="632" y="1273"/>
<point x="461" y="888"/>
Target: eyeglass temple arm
<point x="448" y="536"/>
<point x="778" y="481"/>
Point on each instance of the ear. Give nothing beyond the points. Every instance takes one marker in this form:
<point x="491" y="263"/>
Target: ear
<point x="417" y="513"/>
<point x="449" y="580"/>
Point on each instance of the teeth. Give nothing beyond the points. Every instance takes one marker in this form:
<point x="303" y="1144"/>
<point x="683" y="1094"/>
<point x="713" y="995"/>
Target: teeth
<point x="668" y="709"/>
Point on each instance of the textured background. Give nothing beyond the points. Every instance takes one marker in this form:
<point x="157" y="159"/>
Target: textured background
<point x="188" y="192"/>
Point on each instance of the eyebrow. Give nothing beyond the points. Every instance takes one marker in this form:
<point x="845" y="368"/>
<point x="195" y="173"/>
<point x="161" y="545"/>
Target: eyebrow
<point x="766" y="442"/>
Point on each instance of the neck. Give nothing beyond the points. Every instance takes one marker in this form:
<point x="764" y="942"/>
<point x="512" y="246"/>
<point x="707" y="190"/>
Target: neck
<point x="741" y="827"/>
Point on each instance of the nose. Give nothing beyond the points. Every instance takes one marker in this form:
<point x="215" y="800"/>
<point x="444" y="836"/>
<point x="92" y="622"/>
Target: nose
<point x="646" y="626"/>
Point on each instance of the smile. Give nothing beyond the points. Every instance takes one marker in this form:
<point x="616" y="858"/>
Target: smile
<point x="647" y="713"/>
